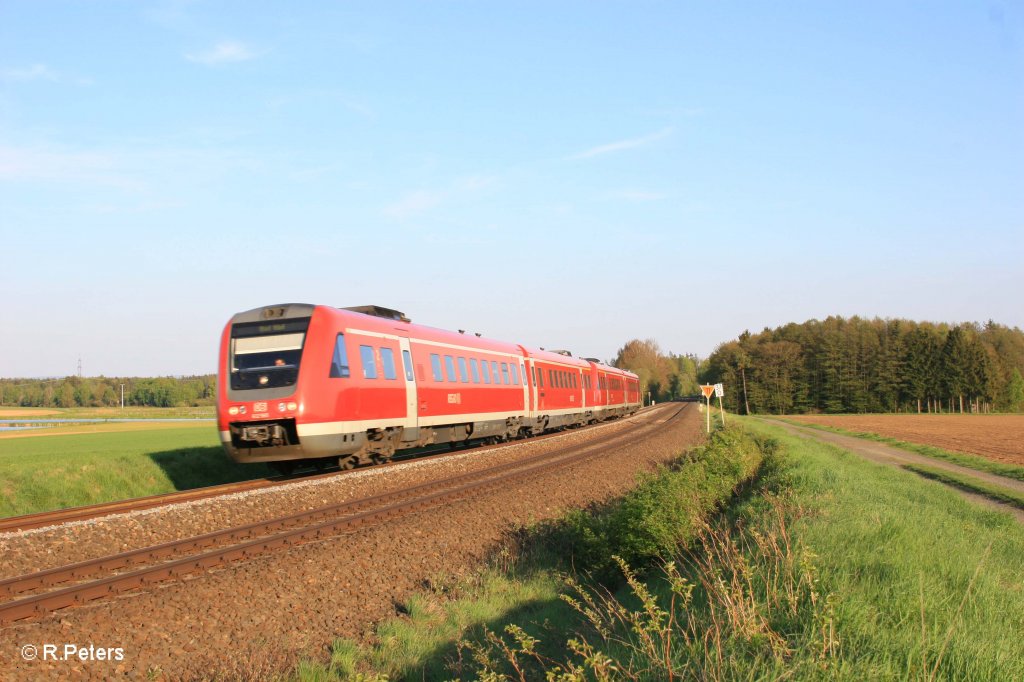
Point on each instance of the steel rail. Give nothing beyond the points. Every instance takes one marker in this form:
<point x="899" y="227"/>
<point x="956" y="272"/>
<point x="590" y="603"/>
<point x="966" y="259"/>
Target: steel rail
<point x="346" y="518"/>
<point x="92" y="511"/>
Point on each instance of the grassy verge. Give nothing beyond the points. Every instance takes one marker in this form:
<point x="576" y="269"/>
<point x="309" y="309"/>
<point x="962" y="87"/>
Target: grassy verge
<point x="828" y="566"/>
<point x="975" y="462"/>
<point x="39" y="473"/>
<point x="444" y="630"/>
<point x="970" y="484"/>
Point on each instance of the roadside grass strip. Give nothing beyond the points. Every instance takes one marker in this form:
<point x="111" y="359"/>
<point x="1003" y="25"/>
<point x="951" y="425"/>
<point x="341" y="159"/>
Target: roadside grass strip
<point x="821" y="566"/>
<point x="975" y="462"/>
<point x="970" y="484"/>
<point x="57" y="471"/>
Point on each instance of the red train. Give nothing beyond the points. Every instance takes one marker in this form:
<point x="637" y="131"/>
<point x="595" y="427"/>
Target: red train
<point x="303" y="382"/>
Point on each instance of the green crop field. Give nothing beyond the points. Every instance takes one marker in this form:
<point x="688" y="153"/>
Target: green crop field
<point x="75" y="465"/>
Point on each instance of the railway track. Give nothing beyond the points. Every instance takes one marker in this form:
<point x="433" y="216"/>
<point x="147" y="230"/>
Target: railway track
<point x="93" y="511"/>
<point x="173" y="560"/>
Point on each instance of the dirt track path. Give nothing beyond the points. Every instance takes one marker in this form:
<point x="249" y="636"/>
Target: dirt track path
<point x="886" y="454"/>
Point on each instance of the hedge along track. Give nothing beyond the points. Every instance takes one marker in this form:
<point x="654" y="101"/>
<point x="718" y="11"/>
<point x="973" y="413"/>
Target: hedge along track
<point x="92" y="511"/>
<point x="251" y="540"/>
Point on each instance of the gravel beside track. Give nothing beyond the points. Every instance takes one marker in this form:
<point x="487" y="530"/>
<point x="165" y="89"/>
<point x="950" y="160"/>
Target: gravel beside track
<point x="262" y="615"/>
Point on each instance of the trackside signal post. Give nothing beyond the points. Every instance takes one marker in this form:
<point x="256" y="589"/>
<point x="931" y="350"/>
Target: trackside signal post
<point x="719" y="392"/>
<point x="707" y="391"/>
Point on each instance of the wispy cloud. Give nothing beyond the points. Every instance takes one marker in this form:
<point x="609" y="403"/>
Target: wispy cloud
<point x="224" y="52"/>
<point x="34" y="72"/>
<point x="39" y="72"/>
<point x="133" y="169"/>
<point x="414" y="203"/>
<point x="637" y="195"/>
<point x="420" y="201"/>
<point x="27" y="164"/>
<point x="622" y="145"/>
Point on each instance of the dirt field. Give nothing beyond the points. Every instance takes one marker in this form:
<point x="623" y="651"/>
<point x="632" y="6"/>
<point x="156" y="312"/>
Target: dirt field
<point x="996" y="437"/>
<point x="25" y="412"/>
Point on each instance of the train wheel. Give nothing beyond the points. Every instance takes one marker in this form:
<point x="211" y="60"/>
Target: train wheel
<point x="348" y="462"/>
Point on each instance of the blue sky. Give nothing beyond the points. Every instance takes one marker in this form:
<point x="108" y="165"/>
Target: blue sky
<point x="560" y="174"/>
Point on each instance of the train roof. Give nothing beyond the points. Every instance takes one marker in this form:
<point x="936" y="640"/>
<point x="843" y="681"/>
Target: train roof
<point x="382" y="319"/>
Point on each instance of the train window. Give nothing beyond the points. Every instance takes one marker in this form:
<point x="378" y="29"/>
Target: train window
<point x="515" y="375"/>
<point x="463" y="374"/>
<point x="572" y="380"/>
<point x="540" y="377"/>
<point x="494" y="372"/>
<point x="435" y="363"/>
<point x="474" y="368"/>
<point x="487" y="372"/>
<point x="387" y="359"/>
<point x="407" y="360"/>
<point x="504" y="371"/>
<point x="339" y="363"/>
<point x="449" y="367"/>
<point x="369" y="362"/>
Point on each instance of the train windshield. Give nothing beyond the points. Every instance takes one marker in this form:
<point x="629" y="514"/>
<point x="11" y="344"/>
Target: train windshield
<point x="266" y="356"/>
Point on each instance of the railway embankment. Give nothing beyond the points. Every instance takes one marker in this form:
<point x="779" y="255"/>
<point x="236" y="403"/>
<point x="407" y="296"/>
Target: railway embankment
<point x="823" y="566"/>
<point x="255" y="616"/>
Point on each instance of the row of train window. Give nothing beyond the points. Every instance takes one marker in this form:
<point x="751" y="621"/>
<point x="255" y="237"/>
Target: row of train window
<point x="487" y="370"/>
<point x="340" y="367"/>
<point x="561" y="379"/>
<point x="611" y="383"/>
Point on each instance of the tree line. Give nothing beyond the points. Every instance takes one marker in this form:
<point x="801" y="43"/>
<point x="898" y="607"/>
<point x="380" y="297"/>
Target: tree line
<point x="77" y="391"/>
<point x="662" y="376"/>
<point x="861" y="365"/>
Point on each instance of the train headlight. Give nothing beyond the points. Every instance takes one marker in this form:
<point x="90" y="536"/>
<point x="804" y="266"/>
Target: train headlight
<point x="242" y="409"/>
<point x="233" y="410"/>
<point x="280" y="407"/>
<point x="293" y="406"/>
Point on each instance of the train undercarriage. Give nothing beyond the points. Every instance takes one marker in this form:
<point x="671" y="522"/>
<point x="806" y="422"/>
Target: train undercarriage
<point x="278" y="442"/>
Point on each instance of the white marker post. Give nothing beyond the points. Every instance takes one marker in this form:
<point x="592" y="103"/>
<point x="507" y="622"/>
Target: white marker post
<point x="719" y="392"/>
<point x="707" y="391"/>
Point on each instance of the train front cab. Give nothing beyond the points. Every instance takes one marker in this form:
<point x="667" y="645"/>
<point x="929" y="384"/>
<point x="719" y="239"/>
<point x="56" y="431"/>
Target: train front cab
<point x="261" y="359"/>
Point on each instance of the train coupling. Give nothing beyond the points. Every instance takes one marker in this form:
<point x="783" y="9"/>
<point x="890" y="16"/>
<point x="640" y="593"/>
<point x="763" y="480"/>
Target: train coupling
<point x="264" y="434"/>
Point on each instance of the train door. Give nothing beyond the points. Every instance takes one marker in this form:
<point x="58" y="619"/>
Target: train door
<point x="411" y="422"/>
<point x="542" y="401"/>
<point x="527" y="394"/>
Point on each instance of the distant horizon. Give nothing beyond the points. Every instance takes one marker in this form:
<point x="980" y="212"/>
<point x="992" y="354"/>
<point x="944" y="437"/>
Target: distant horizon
<point x="701" y="357"/>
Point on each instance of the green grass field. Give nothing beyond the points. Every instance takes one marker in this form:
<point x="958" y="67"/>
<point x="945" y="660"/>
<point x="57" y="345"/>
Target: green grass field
<point x="970" y="461"/>
<point x="51" y="470"/>
<point x="969" y="483"/>
<point x="828" y="567"/>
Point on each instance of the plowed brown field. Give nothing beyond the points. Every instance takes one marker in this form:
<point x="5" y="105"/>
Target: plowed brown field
<point x="996" y="437"/>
